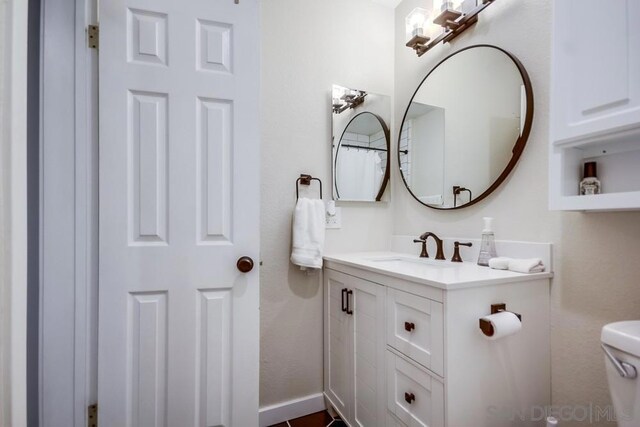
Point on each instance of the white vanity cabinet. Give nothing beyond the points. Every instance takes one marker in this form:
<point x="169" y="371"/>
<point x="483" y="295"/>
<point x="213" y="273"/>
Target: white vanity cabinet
<point x="405" y="351"/>
<point x="595" y="102"/>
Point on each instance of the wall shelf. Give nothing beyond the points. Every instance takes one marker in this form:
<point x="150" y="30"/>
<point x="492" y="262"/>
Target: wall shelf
<point x="602" y="202"/>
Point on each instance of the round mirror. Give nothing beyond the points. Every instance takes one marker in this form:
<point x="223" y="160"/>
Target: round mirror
<point x="362" y="159"/>
<point x="465" y="127"/>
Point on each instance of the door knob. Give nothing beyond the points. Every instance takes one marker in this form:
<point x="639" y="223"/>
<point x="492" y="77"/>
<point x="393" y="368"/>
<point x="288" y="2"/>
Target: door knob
<point x="245" y="264"/>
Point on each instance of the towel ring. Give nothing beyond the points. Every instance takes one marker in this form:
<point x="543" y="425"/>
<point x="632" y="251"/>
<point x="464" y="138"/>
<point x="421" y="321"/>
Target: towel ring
<point x="306" y="179"/>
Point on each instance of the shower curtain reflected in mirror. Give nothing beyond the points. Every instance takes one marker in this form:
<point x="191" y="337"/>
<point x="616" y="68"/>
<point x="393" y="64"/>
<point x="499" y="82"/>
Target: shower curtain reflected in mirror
<point x="359" y="174"/>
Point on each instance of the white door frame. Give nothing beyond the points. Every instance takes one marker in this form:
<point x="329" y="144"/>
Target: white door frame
<point x="68" y="215"/>
<point x="13" y="213"/>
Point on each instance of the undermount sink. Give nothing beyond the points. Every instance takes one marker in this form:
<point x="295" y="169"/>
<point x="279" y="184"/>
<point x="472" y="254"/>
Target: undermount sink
<point x="403" y="261"/>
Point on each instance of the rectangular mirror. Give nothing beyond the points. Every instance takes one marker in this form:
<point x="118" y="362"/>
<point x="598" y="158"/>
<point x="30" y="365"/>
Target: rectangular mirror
<point x="360" y="144"/>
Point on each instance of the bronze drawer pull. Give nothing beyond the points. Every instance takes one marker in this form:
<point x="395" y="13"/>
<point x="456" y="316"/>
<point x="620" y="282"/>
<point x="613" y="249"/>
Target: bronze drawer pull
<point x="409" y="326"/>
<point x="409" y="397"/>
<point x="349" y="310"/>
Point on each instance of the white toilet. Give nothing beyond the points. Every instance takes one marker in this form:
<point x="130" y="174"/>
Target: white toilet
<point x="621" y="345"/>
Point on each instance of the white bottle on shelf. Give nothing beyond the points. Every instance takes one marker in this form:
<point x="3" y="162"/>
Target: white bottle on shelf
<point x="488" y="243"/>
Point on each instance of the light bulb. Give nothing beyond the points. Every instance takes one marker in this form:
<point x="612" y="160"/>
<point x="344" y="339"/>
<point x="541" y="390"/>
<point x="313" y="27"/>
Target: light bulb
<point x="415" y="22"/>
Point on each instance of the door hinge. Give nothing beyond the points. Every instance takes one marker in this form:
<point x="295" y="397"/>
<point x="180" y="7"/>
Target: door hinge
<point x="92" y="415"/>
<point x="93" y="36"/>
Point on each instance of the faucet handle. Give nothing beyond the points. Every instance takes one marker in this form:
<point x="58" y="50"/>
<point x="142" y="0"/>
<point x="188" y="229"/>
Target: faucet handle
<point x="456" y="250"/>
<point x="423" y="253"/>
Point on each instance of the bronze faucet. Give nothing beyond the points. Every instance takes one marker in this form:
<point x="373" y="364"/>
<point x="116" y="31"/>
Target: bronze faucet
<point x="423" y="239"/>
<point x="423" y="253"/>
<point x="456" y="250"/>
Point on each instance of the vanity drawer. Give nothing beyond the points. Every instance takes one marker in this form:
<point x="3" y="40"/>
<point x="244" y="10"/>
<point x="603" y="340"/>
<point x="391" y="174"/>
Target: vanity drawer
<point x="415" y="328"/>
<point x="414" y="396"/>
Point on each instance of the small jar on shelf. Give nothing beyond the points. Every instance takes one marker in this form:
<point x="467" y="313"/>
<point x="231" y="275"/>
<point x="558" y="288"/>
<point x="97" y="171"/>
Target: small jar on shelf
<point x="590" y="183"/>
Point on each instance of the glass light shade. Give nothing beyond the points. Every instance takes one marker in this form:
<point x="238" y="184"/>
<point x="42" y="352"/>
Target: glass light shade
<point x="468" y="5"/>
<point x="442" y="5"/>
<point x="338" y="92"/>
<point x="416" y="22"/>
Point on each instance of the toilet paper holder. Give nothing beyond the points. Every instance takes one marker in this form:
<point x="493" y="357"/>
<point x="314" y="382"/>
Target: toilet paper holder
<point x="486" y="326"/>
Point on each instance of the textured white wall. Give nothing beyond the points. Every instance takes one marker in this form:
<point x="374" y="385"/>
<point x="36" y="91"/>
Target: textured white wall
<point x="597" y="276"/>
<point x="4" y="283"/>
<point x="306" y="47"/>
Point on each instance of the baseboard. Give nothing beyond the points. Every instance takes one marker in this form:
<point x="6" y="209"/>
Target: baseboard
<point x="291" y="409"/>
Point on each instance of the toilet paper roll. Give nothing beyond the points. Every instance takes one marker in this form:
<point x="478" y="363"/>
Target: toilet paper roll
<point x="504" y="324"/>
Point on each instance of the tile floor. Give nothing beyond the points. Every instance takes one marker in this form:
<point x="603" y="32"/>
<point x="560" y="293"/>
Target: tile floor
<point x="319" y="419"/>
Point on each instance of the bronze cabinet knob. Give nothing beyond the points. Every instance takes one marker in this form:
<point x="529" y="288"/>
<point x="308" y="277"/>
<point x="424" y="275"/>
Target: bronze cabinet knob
<point x="409" y="398"/>
<point x="409" y="326"/>
<point x="245" y="264"/>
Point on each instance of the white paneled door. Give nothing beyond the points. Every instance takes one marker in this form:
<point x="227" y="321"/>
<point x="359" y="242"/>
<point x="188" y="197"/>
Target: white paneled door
<point x="179" y="206"/>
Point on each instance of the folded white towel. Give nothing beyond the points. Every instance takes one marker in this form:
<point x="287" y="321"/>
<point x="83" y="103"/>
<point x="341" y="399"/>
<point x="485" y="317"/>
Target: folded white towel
<point x="528" y="265"/>
<point x="499" y="263"/>
<point x="308" y="233"/>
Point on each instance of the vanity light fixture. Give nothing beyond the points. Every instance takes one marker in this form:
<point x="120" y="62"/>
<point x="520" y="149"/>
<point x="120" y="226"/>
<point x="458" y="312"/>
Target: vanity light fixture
<point x="450" y="19"/>
<point x="344" y="99"/>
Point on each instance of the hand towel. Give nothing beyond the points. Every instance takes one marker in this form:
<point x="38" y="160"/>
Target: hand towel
<point x="529" y="265"/>
<point x="499" y="263"/>
<point x="308" y="233"/>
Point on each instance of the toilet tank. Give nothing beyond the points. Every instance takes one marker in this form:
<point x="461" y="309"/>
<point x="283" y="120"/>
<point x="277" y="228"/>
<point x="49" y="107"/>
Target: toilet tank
<point x="621" y="344"/>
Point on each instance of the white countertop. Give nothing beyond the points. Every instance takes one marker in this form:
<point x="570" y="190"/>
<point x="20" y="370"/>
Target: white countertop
<point x="440" y="274"/>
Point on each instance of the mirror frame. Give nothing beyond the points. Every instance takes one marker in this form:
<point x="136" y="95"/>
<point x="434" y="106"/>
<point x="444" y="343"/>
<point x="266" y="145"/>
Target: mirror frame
<point x="518" y="147"/>
<point x="387" y="174"/>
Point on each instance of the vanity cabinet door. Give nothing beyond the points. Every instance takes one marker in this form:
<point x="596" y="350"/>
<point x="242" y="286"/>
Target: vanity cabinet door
<point x="337" y="344"/>
<point x="414" y="395"/>
<point x="368" y="353"/>
<point x="415" y="328"/>
<point x="596" y="64"/>
<point x="355" y="348"/>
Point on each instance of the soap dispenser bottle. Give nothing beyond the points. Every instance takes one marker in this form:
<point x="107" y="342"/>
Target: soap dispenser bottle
<point x="488" y="244"/>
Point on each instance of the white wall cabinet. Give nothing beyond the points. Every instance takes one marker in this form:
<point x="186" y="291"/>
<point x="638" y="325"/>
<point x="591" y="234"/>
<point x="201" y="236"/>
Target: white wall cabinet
<point x="355" y="348"/>
<point x="595" y="103"/>
<point x="399" y="353"/>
